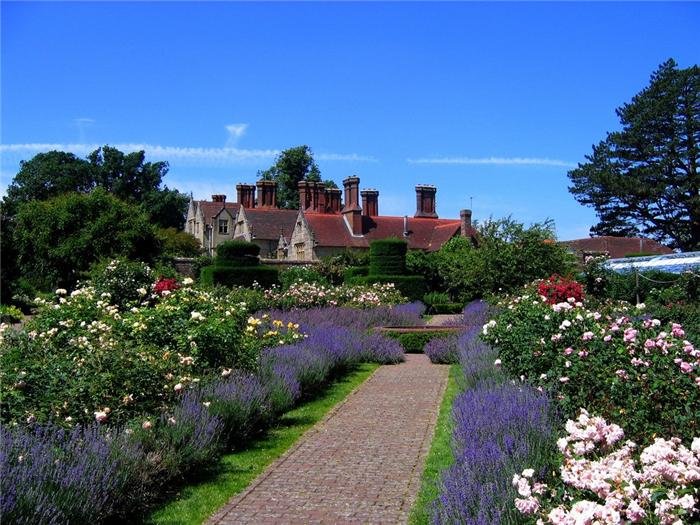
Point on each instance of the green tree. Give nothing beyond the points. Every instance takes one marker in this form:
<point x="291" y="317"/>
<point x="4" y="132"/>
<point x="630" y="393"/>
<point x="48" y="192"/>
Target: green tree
<point x="292" y="166"/>
<point x="644" y="179"/>
<point x="126" y="175"/>
<point x="177" y="243"/>
<point x="57" y="239"/>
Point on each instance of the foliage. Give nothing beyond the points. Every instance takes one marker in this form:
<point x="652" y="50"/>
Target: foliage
<point x="10" y="314"/>
<point x="508" y="256"/>
<point x="334" y="267"/>
<point x="216" y="275"/>
<point x="646" y="374"/>
<point x="602" y="480"/>
<point x="412" y="287"/>
<point x="306" y="274"/>
<point x="178" y="243"/>
<point x="61" y="237"/>
<point x="306" y="295"/>
<point x="439" y="303"/>
<point x="414" y="342"/>
<point x="644" y="179"/>
<point x="238" y="251"/>
<point x="292" y="166"/>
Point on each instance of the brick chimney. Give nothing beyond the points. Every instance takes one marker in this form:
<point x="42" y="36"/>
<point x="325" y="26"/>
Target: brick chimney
<point x="267" y="194"/>
<point x="246" y="195"/>
<point x="352" y="211"/>
<point x="370" y="202"/>
<point x="316" y="189"/>
<point x="304" y="195"/>
<point x="333" y="200"/>
<point x="425" y="201"/>
<point x="218" y="198"/>
<point x="465" y="216"/>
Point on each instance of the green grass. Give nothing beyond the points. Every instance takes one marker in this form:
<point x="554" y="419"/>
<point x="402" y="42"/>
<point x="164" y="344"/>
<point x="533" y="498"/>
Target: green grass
<point x="195" y="503"/>
<point x="440" y="455"/>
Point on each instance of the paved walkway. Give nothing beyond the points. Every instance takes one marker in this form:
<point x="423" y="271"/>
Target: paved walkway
<point x="361" y="464"/>
<point x="445" y="320"/>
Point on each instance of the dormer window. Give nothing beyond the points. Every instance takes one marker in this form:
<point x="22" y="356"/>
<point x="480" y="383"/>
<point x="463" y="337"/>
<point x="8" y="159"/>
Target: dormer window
<point x="223" y="226"/>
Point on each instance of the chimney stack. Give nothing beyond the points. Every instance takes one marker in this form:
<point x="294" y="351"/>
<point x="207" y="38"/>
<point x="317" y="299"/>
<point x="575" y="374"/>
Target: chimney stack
<point x="218" y="198"/>
<point x="246" y="195"/>
<point x="304" y="195"/>
<point x="267" y="194"/>
<point x="370" y="202"/>
<point x="465" y="217"/>
<point x="352" y="211"/>
<point x="425" y="201"/>
<point x="333" y="199"/>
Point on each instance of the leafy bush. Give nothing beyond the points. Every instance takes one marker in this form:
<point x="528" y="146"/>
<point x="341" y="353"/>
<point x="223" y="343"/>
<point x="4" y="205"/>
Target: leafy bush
<point x="216" y="275"/>
<point x="356" y="271"/>
<point x="558" y="289"/>
<point x="235" y="252"/>
<point x="178" y="243"/>
<point x="645" y="374"/>
<point x="10" y="314"/>
<point x="333" y="267"/>
<point x="414" y="342"/>
<point x="392" y="247"/>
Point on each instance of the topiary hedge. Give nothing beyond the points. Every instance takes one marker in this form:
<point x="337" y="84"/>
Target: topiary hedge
<point x="355" y="271"/>
<point x="387" y="265"/>
<point x="237" y="264"/>
<point x="388" y="247"/>
<point x="231" y="275"/>
<point x="414" y="342"/>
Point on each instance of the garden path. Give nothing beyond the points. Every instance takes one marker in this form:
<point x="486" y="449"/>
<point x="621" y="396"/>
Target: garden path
<point x="445" y="320"/>
<point x="361" y="464"/>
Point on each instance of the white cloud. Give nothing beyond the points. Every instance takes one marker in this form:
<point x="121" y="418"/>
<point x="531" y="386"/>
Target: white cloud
<point x="217" y="156"/>
<point x="353" y="157"/>
<point x="84" y="121"/>
<point x="235" y="132"/>
<point x="496" y="161"/>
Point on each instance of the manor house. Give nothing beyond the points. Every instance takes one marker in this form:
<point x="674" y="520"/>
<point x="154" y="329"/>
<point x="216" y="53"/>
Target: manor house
<point x="323" y="225"/>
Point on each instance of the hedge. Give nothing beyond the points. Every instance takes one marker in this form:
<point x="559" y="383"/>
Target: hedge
<point x="413" y="287"/>
<point x="229" y="275"/>
<point x="355" y="271"/>
<point x="387" y="265"/>
<point x="384" y="247"/>
<point x="235" y="251"/>
<point x="414" y="342"/>
<point x="446" y="308"/>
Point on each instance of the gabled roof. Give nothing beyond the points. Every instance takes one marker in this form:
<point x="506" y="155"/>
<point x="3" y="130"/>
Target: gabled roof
<point x="423" y="234"/>
<point x="617" y="247"/>
<point x="268" y="223"/>
<point x="212" y="209"/>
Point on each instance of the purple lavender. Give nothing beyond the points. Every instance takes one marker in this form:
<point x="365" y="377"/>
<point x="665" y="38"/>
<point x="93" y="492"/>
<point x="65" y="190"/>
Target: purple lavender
<point x="442" y="350"/>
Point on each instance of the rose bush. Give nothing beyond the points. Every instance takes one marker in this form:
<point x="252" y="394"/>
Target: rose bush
<point x="611" y="358"/>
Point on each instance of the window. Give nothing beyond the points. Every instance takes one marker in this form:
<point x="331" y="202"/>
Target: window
<point x="223" y="226"/>
<point x="299" y="250"/>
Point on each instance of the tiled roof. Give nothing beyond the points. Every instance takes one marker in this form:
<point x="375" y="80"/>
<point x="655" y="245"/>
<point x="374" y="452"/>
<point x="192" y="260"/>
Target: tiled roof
<point x="617" y="246"/>
<point x="423" y="234"/>
<point x="212" y="209"/>
<point x="269" y="223"/>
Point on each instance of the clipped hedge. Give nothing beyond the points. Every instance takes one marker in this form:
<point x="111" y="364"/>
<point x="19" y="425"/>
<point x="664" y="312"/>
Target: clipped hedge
<point x="355" y="271"/>
<point x="387" y="265"/>
<point x="230" y="275"/>
<point x="414" y="342"/>
<point x="237" y="253"/>
<point x="414" y="287"/>
<point x="388" y="247"/>
<point x="446" y="308"/>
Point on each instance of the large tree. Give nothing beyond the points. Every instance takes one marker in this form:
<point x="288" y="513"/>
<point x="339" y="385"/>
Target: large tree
<point x="292" y="166"/>
<point x="644" y="179"/>
<point x="125" y="175"/>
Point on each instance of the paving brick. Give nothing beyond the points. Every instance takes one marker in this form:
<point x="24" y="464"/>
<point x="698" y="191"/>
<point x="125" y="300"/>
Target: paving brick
<point x="361" y="464"/>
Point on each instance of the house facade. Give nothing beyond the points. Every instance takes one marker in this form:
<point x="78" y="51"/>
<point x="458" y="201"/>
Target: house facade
<point x="324" y="225"/>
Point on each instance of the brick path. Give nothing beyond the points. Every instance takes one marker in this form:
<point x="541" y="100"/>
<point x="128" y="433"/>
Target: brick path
<point x="361" y="464"/>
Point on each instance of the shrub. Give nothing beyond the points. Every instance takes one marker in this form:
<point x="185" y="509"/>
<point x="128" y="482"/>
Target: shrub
<point x="412" y="287"/>
<point x="414" y="342"/>
<point x="238" y="252"/>
<point x="645" y="374"/>
<point x="355" y="271"/>
<point x="265" y="276"/>
<point x="10" y="314"/>
<point x="388" y="247"/>
<point x="177" y="243"/>
<point x="442" y="350"/>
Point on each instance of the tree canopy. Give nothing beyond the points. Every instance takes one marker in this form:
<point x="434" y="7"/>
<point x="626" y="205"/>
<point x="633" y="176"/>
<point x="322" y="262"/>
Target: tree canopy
<point x="644" y="179"/>
<point x="292" y="166"/>
<point x="127" y="176"/>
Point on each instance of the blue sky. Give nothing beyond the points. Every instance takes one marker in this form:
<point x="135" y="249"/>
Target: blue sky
<point x="489" y="101"/>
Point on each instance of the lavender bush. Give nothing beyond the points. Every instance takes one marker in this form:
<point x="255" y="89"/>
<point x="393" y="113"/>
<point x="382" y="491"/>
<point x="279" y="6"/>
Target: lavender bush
<point x="499" y="427"/>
